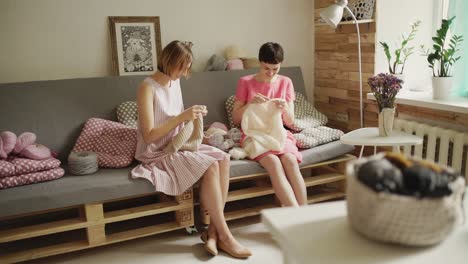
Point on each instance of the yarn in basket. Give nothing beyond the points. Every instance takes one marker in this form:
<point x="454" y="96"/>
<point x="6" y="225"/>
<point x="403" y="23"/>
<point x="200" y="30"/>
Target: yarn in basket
<point x="399" y="214"/>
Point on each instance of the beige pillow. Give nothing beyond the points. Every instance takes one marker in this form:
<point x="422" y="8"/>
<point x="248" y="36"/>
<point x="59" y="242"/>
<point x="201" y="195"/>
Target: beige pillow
<point x="250" y="63"/>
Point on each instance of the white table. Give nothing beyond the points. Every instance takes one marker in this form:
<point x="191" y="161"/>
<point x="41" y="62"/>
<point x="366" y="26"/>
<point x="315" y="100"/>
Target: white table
<point x="369" y="136"/>
<point x="320" y="233"/>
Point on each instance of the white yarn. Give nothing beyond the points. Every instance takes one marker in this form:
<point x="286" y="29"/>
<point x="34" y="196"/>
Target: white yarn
<point x="238" y="153"/>
<point x="82" y="163"/>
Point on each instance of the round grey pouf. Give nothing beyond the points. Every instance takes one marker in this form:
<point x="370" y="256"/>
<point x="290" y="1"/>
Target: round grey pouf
<point x="82" y="163"/>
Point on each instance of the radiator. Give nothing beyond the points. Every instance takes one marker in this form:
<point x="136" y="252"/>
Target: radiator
<point x="444" y="146"/>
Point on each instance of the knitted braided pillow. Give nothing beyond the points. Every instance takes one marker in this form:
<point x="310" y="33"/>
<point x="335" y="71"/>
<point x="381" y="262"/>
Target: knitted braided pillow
<point x="306" y="115"/>
<point x="229" y="105"/>
<point x="127" y="113"/>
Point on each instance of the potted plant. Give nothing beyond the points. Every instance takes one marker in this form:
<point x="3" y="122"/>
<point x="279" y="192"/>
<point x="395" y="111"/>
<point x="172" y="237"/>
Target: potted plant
<point x="385" y="87"/>
<point x="396" y="64"/>
<point x="441" y="59"/>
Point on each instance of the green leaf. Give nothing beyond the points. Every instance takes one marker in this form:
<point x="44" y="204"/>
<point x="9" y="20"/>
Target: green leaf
<point x="437" y="40"/>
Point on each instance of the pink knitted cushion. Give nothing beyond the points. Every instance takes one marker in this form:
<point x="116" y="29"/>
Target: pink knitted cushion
<point x="24" y="140"/>
<point x="9" y="141"/>
<point x="36" y="152"/>
<point x="235" y="64"/>
<point x="114" y="143"/>
<point x="35" y="177"/>
<point x="6" y="168"/>
<point x="219" y="125"/>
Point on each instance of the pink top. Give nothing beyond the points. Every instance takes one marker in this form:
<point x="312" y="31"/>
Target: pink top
<point x="248" y="87"/>
<point x="282" y="88"/>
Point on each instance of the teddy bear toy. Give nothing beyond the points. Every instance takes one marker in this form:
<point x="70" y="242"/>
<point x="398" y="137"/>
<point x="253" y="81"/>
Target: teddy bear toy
<point x="216" y="63"/>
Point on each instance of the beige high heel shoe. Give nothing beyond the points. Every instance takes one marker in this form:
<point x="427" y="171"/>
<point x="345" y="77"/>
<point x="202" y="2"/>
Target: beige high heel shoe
<point x="239" y="254"/>
<point x="209" y="245"/>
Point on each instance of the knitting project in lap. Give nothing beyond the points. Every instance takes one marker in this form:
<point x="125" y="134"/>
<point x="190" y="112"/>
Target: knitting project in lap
<point x="188" y="139"/>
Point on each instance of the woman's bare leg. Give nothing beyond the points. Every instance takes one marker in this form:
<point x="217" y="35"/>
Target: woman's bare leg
<point x="280" y="183"/>
<point x="291" y="167"/>
<point x="224" y="186"/>
<point x="212" y="199"/>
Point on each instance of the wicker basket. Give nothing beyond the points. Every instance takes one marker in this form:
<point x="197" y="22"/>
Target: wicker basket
<point x="402" y="219"/>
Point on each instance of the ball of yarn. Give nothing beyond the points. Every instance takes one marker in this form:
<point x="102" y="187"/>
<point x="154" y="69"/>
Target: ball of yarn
<point x="36" y="152"/>
<point x="24" y="140"/>
<point x="250" y="63"/>
<point x="3" y="155"/>
<point x="82" y="163"/>
<point x="9" y="141"/>
<point x="234" y="52"/>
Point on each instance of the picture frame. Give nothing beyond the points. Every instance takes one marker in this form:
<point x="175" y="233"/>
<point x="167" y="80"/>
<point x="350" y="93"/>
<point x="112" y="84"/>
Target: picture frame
<point x="135" y="44"/>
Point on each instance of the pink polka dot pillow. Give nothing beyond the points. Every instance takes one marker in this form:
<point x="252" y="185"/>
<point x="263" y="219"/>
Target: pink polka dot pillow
<point x="30" y="178"/>
<point x="114" y="143"/>
<point x="6" y="168"/>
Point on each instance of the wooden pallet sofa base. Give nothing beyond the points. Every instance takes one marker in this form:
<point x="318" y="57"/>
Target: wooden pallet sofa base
<point x="108" y="222"/>
<point x="250" y="194"/>
<point x="91" y="225"/>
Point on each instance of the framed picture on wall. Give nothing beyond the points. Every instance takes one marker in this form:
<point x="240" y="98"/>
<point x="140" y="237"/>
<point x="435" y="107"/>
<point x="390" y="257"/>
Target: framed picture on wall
<point x="135" y="43"/>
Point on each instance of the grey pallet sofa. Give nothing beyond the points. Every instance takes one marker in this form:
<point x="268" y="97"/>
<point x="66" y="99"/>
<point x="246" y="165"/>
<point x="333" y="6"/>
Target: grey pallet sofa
<point x="79" y="212"/>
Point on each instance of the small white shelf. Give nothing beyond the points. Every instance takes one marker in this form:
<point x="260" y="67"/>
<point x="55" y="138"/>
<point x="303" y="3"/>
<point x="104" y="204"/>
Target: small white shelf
<point x="424" y="99"/>
<point x="364" y="21"/>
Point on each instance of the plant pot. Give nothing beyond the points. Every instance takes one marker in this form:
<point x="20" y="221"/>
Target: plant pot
<point x="441" y="87"/>
<point x="386" y="117"/>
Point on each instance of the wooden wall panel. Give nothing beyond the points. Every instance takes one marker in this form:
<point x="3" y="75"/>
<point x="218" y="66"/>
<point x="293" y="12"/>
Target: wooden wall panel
<point x="337" y="74"/>
<point x="433" y="114"/>
<point x="336" y="91"/>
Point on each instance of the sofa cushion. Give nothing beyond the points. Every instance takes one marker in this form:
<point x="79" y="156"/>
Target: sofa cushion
<point x="19" y="166"/>
<point x="6" y="168"/>
<point x="127" y="113"/>
<point x="23" y="166"/>
<point x="229" y="105"/>
<point x="114" y="143"/>
<point x="109" y="184"/>
<point x="306" y="115"/>
<point x="30" y="178"/>
<point x="314" y="136"/>
<point x="309" y="156"/>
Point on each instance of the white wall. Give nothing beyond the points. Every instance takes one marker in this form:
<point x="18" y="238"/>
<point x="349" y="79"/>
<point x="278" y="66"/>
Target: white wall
<point x="57" y="39"/>
<point x="394" y="19"/>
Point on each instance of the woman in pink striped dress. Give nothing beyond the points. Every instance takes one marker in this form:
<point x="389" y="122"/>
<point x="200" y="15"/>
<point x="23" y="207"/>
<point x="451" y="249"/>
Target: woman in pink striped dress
<point x="161" y="116"/>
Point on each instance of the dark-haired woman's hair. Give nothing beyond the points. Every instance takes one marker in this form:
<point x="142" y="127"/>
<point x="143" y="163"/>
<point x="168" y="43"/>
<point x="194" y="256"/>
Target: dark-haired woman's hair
<point x="271" y="53"/>
<point x="175" y="56"/>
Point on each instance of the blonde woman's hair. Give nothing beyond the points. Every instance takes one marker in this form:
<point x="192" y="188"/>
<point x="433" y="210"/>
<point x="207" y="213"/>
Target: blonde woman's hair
<point x="175" y="56"/>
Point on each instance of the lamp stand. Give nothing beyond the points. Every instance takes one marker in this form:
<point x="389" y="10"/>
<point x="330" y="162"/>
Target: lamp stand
<point x="361" y="118"/>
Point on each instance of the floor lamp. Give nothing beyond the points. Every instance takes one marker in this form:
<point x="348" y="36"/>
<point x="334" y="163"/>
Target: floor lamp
<point x="332" y="16"/>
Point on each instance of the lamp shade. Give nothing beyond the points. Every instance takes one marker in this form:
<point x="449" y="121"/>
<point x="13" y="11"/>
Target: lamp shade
<point x="333" y="14"/>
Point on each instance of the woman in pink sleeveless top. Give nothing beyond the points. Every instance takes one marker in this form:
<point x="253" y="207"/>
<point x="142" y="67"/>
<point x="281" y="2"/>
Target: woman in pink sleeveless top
<point x="266" y="84"/>
<point x="161" y="116"/>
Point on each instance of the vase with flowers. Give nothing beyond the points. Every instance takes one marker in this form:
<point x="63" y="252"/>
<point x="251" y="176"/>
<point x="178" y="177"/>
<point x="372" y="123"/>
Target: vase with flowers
<point x="396" y="63"/>
<point x="385" y="87"/>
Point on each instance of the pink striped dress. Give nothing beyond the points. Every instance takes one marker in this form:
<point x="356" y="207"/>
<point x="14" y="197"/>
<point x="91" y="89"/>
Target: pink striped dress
<point x="174" y="173"/>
